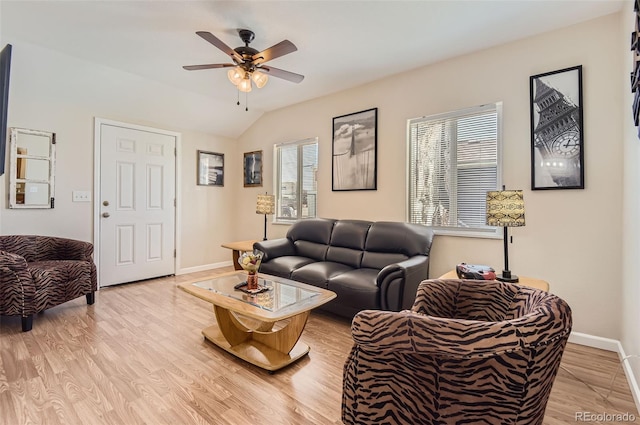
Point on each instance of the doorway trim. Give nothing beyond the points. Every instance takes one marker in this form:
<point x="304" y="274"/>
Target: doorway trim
<point x="97" y="140"/>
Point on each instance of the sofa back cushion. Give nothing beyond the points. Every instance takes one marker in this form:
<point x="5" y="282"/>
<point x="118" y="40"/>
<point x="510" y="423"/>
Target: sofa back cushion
<point x="489" y="301"/>
<point x="23" y="245"/>
<point x="46" y="248"/>
<point x="311" y="237"/>
<point x="313" y="250"/>
<point x="347" y="242"/>
<point x="391" y="242"/>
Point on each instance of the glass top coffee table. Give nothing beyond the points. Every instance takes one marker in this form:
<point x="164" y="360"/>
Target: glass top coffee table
<point x="246" y="323"/>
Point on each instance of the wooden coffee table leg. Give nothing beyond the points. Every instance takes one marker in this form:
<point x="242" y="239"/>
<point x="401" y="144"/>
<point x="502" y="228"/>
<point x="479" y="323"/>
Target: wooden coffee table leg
<point x="284" y="339"/>
<point x="233" y="331"/>
<point x="236" y="256"/>
<point x="261" y="346"/>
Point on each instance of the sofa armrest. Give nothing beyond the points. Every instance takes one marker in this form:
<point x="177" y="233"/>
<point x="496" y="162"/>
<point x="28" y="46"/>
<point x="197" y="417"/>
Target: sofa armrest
<point x="17" y="288"/>
<point x="275" y="248"/>
<point x="12" y="261"/>
<point x="55" y="248"/>
<point x="399" y="282"/>
<point x="409" y="332"/>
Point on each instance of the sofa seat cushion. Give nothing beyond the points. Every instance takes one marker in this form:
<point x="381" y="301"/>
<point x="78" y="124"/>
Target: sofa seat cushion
<point x="357" y="288"/>
<point x="319" y="273"/>
<point x="283" y="266"/>
<point x="59" y="280"/>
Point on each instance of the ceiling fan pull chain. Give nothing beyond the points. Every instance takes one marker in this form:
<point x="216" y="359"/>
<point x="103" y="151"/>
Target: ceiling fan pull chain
<point x="246" y="102"/>
<point x="238" y="91"/>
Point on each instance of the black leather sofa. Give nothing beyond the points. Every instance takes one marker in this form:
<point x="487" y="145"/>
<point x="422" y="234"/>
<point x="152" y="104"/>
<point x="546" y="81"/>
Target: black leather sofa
<point x="369" y="265"/>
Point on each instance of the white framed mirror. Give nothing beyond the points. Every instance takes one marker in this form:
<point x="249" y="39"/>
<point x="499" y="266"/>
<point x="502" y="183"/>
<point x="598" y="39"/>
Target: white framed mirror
<point x="31" y="169"/>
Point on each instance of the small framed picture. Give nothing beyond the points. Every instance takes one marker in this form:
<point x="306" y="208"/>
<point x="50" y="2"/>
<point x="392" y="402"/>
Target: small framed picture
<point x="210" y="168"/>
<point x="557" y="131"/>
<point x="253" y="169"/>
<point x="354" y="149"/>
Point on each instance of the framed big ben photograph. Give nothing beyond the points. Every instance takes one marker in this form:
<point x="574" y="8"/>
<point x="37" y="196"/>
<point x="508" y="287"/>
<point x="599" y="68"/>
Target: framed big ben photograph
<point x="557" y="135"/>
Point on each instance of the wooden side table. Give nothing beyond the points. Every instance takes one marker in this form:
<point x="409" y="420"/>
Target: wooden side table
<point x="237" y="247"/>
<point x="523" y="280"/>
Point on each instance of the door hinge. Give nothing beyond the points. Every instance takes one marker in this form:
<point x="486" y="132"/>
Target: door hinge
<point x="175" y="151"/>
<point x="175" y="203"/>
<point x="175" y="253"/>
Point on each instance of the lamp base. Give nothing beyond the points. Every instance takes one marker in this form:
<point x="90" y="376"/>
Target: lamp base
<point x="508" y="277"/>
<point x="265" y="228"/>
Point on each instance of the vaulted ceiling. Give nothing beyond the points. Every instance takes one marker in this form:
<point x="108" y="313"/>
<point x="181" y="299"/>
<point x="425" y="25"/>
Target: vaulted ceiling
<point x="341" y="44"/>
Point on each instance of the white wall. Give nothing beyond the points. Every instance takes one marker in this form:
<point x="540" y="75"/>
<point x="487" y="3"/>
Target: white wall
<point x="630" y="337"/>
<point x="54" y="92"/>
<point x="571" y="238"/>
<point x="208" y="212"/>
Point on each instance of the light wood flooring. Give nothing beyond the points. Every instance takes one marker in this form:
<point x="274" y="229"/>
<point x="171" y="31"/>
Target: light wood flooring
<point x="137" y="357"/>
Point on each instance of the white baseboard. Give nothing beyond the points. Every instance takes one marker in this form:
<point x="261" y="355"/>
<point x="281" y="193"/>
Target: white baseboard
<point x="633" y="382"/>
<point x="615" y="346"/>
<point x="595" y="341"/>
<point x="204" y="267"/>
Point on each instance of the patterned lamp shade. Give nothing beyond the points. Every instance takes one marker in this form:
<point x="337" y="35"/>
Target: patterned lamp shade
<point x="266" y="204"/>
<point x="505" y="208"/>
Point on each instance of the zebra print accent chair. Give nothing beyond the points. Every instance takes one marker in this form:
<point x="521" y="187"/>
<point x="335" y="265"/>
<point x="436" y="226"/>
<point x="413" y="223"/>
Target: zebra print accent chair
<point x="40" y="272"/>
<point x="468" y="352"/>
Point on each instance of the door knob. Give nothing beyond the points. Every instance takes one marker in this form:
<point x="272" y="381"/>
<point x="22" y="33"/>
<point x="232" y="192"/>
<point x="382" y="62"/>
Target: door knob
<point x="105" y="214"/>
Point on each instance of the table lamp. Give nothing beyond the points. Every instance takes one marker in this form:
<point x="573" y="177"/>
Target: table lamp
<point x="505" y="208"/>
<point x="266" y="205"/>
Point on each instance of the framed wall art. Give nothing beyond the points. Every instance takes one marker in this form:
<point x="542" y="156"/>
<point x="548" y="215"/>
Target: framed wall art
<point x="210" y="168"/>
<point x="354" y="149"/>
<point x="635" y="74"/>
<point x="253" y="169"/>
<point x="557" y="130"/>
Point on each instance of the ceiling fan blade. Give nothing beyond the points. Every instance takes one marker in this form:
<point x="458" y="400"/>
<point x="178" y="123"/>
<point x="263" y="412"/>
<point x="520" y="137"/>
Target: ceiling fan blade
<point x="219" y="44"/>
<point x="281" y="73"/>
<point x="283" y="48"/>
<point x="209" y="66"/>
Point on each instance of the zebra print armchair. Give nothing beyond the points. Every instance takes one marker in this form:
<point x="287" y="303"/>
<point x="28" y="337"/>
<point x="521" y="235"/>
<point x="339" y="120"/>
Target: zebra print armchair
<point x="40" y="272"/>
<point x="467" y="352"/>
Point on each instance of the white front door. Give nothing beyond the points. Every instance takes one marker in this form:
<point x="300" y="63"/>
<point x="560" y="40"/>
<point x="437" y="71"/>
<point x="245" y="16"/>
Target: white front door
<point x="136" y="203"/>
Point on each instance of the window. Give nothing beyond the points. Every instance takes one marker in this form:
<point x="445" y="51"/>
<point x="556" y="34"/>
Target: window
<point x="296" y="185"/>
<point x="453" y="162"/>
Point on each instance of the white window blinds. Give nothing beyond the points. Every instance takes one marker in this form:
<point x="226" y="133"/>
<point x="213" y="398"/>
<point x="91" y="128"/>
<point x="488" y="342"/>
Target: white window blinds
<point x="295" y="180"/>
<point x="453" y="162"/>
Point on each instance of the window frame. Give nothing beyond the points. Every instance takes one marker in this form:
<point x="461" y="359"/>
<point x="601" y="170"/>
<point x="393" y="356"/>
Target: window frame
<point x="277" y="185"/>
<point x="488" y="232"/>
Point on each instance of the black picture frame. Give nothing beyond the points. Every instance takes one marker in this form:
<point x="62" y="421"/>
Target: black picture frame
<point x="210" y="168"/>
<point x="252" y="168"/>
<point x="5" y="72"/>
<point x="557" y="129"/>
<point x="354" y="151"/>
<point x="635" y="74"/>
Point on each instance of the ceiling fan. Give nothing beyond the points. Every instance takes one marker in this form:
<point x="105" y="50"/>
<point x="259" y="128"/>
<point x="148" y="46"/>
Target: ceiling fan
<point x="248" y="63"/>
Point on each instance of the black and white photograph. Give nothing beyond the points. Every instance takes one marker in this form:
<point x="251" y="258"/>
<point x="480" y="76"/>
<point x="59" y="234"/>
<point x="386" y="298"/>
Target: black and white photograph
<point x="210" y="168"/>
<point x="253" y="169"/>
<point x="557" y="135"/>
<point x="354" y="151"/>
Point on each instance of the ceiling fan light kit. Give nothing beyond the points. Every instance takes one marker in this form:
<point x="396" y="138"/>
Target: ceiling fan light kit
<point x="235" y="75"/>
<point x="245" y="85"/>
<point x="260" y="79"/>
<point x="247" y="67"/>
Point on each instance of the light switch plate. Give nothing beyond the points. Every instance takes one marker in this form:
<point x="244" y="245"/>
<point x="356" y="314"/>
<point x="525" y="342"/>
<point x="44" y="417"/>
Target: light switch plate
<point x="81" y="196"/>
